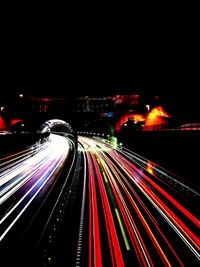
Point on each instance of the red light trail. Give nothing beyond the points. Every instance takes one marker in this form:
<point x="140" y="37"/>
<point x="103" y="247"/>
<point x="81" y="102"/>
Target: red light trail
<point x="145" y="222"/>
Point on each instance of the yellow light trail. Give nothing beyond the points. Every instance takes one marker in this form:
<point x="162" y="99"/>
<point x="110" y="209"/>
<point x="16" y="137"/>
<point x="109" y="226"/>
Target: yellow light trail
<point x="122" y="230"/>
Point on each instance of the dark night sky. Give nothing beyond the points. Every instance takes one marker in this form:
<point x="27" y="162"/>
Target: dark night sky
<point x="97" y="70"/>
<point x="150" y="53"/>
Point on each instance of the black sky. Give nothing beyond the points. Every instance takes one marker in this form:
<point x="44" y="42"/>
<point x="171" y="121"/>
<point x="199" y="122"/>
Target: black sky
<point x="153" y="52"/>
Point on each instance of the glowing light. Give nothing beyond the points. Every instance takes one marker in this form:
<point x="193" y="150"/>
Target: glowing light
<point x="2" y="123"/>
<point x="127" y="116"/>
<point x="157" y="116"/>
<point x="21" y="95"/>
<point x="122" y="230"/>
<point x="157" y="111"/>
<point x="115" y="179"/>
<point x="114" y="141"/>
<point x="138" y="117"/>
<point x="37" y="170"/>
<point x="148" y="107"/>
<point x="14" y="121"/>
<point x="150" y="167"/>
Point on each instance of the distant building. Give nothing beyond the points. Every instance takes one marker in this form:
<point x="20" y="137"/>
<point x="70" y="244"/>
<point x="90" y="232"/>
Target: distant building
<point x="96" y="112"/>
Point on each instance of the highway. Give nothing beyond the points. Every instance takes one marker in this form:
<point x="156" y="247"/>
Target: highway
<point x="136" y="213"/>
<point x="115" y="209"/>
<point x="29" y="188"/>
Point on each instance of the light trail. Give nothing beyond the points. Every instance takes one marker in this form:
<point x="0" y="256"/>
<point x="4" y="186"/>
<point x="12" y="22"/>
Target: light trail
<point x="28" y="179"/>
<point x="140" y="211"/>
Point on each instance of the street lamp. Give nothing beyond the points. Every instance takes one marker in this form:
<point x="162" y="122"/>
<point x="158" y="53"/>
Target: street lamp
<point x="148" y="107"/>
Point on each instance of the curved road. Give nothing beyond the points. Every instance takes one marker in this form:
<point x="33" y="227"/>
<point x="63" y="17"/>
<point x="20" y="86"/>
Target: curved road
<point x="126" y="210"/>
<point x="30" y="185"/>
<point x="136" y="214"/>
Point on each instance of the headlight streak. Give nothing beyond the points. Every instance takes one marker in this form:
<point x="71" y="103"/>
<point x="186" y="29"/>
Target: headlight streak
<point x="26" y="206"/>
<point x="16" y="157"/>
<point x="137" y="241"/>
<point x="24" y="196"/>
<point x="34" y="162"/>
<point x="19" y="167"/>
<point x="165" y="210"/>
<point x="176" y="215"/>
<point x="71" y="146"/>
<point x="143" y="162"/>
<point x="18" y="181"/>
<point x="172" y="225"/>
<point x="177" y="205"/>
<point x="160" y="175"/>
<point x="136" y="238"/>
<point x="115" y="251"/>
<point x="118" y="194"/>
<point x="60" y="148"/>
